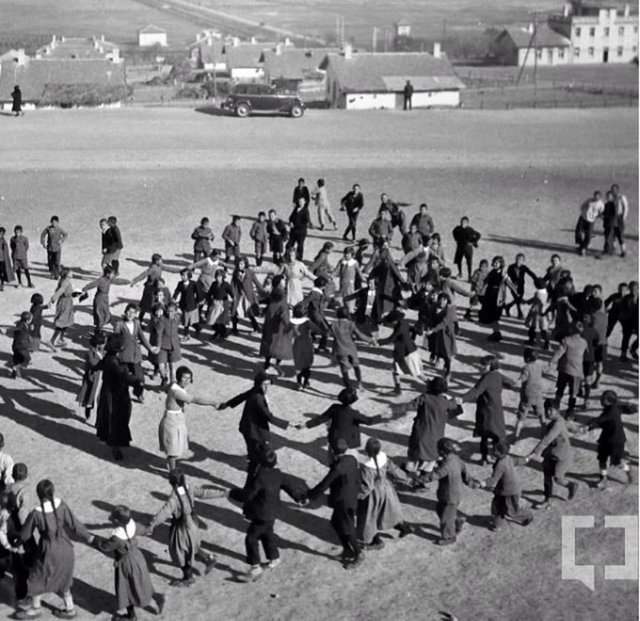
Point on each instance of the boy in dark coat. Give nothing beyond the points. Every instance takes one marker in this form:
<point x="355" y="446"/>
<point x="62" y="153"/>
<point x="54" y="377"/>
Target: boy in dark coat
<point x="555" y="450"/>
<point x="112" y="245"/>
<point x="343" y="483"/>
<point x="314" y="304"/>
<point x="300" y="222"/>
<point x="517" y="272"/>
<point x="344" y="422"/>
<point x="278" y="234"/>
<point x="22" y="345"/>
<point x="506" y="489"/>
<point x="202" y="240"/>
<point x="353" y="203"/>
<point x="451" y="474"/>
<point x="256" y="416"/>
<point x="19" y="254"/>
<point x="629" y="321"/>
<point x="261" y="508"/>
<point x="487" y="393"/>
<point x="466" y="240"/>
<point x="186" y="293"/>
<point x="231" y="236"/>
<point x="612" y="440"/>
<point x="259" y="235"/>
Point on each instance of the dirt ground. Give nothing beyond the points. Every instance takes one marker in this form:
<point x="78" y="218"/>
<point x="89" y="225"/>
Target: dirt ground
<point x="519" y="175"/>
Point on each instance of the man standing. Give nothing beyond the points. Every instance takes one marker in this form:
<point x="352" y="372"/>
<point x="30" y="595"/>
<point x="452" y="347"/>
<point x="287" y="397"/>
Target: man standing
<point x="424" y="222"/>
<point x="301" y="191"/>
<point x="112" y="245"/>
<point x="622" y="211"/>
<point x="231" y="236"/>
<point x="278" y="234"/>
<point x="408" y="94"/>
<point x="590" y="210"/>
<point x="343" y="481"/>
<point x="352" y="202"/>
<point x="321" y="200"/>
<point x="300" y="222"/>
<point x="52" y="239"/>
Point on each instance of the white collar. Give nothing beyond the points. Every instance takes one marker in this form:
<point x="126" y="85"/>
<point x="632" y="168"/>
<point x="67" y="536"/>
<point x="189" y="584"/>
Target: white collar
<point x="317" y="290"/>
<point x="298" y="321"/>
<point x="125" y="532"/>
<point x="46" y="505"/>
<point x="382" y="461"/>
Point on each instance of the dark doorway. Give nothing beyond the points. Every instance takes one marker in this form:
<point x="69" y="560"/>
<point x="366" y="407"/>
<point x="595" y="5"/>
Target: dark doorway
<point x="605" y="55"/>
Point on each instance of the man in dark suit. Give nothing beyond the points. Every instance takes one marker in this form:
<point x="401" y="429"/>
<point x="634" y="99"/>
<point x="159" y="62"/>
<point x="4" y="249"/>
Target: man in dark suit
<point x="300" y="222"/>
<point x="314" y="305"/>
<point x="301" y="191"/>
<point x="261" y="507"/>
<point x="352" y="202"/>
<point x="408" y="94"/>
<point x="343" y="483"/>
<point x="254" y="424"/>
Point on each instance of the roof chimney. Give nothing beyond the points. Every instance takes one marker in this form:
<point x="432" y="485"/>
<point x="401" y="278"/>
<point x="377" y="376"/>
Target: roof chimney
<point x="102" y="38"/>
<point x="347" y="50"/>
<point x="565" y="10"/>
<point x="437" y="52"/>
<point x="530" y="28"/>
<point x="253" y="40"/>
<point x="278" y="49"/>
<point x="287" y="41"/>
<point x="627" y="10"/>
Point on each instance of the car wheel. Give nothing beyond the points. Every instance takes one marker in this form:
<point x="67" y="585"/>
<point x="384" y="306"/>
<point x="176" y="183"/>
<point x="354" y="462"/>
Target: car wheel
<point x="243" y="110"/>
<point x="296" y="111"/>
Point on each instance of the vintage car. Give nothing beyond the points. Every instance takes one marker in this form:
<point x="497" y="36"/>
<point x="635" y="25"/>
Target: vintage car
<point x="246" y="99"/>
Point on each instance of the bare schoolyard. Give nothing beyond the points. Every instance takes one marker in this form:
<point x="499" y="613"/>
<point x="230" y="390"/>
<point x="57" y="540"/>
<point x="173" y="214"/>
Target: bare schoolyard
<point x="519" y="176"/>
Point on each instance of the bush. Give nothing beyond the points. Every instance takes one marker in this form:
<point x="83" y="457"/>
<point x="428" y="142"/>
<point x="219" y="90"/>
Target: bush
<point x="189" y="92"/>
<point x="72" y="95"/>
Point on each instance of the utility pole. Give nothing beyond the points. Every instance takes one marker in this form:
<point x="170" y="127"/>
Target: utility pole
<point x="535" y="56"/>
<point x="340" y="30"/>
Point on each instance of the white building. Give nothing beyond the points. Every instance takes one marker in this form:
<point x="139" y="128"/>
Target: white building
<point x="377" y="80"/>
<point x="598" y="34"/>
<point x="152" y="35"/>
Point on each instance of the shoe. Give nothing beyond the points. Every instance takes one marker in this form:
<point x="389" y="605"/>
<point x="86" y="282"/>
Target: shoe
<point x="445" y="542"/>
<point x="254" y="573"/>
<point x="629" y="477"/>
<point x="29" y="613"/>
<point x="460" y="522"/>
<point x="274" y="563"/>
<point x="183" y="582"/>
<point x="405" y="529"/>
<point x="209" y="565"/>
<point x="543" y="506"/>
<point x="126" y="615"/>
<point x="573" y="490"/>
<point x="507" y="311"/>
<point x="160" y="600"/>
<point x="64" y="613"/>
<point x="527" y="521"/>
<point x="31" y="286"/>
<point x="355" y="563"/>
<point x="397" y="390"/>
<point x="376" y="544"/>
<point x="602" y="483"/>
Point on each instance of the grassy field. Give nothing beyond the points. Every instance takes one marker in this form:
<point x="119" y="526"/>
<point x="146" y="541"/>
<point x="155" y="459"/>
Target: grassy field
<point x="519" y="176"/>
<point x="119" y="20"/>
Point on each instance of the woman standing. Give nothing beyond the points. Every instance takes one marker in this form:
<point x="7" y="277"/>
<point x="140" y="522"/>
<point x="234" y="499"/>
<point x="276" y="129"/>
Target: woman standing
<point x="487" y="393"/>
<point x="63" y="300"/>
<point x="294" y="271"/>
<point x="152" y="274"/>
<point x="495" y="297"/>
<point x="101" y="313"/>
<point x="277" y="331"/>
<point x="16" y="106"/>
<point x="114" y="403"/>
<point x="172" y="433"/>
<point x="379" y="507"/>
<point x="92" y="374"/>
<point x="53" y="569"/>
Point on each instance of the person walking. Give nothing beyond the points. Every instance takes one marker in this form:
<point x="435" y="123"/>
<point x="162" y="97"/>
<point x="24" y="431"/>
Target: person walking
<point x="321" y="200"/>
<point x="52" y="239"/>
<point x="590" y="211"/>
<point x="353" y="203"/>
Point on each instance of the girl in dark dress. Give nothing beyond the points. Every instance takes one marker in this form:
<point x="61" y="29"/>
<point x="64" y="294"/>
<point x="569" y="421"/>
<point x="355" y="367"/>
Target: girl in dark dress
<point x="132" y="580"/>
<point x="277" y="331"/>
<point x="152" y="274"/>
<point x="495" y="297"/>
<point x="114" y="404"/>
<point x="101" y="313"/>
<point x="91" y="378"/>
<point x="53" y="568"/>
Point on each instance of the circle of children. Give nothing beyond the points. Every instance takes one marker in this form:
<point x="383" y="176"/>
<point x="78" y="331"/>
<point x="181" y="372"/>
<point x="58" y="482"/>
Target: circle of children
<point x="348" y="302"/>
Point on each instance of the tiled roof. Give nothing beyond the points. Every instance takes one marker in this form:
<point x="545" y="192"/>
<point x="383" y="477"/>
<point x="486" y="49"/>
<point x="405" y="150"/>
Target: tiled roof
<point x="545" y="37"/>
<point x="34" y="76"/>
<point x="76" y="47"/>
<point x="294" y="63"/>
<point x="374" y="72"/>
<point x="245" y="54"/>
<point x="210" y="53"/>
<point x="151" y="29"/>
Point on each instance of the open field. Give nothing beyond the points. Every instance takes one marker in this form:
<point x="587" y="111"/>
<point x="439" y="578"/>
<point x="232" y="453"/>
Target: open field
<point x="119" y="20"/>
<point x="519" y="175"/>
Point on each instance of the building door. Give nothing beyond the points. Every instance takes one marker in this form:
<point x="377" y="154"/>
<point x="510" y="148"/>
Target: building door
<point x="605" y="55"/>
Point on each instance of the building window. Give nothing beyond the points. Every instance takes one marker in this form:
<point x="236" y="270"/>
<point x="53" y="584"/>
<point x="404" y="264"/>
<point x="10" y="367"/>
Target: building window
<point x="576" y="52"/>
<point x="591" y="51"/>
<point x="561" y="53"/>
<point x="606" y="32"/>
<point x="550" y="55"/>
<point x="635" y="30"/>
<point x="621" y="31"/>
<point x="592" y="32"/>
<point x="539" y="53"/>
<point x="620" y="50"/>
<point x="577" y="32"/>
<point x="634" y="49"/>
